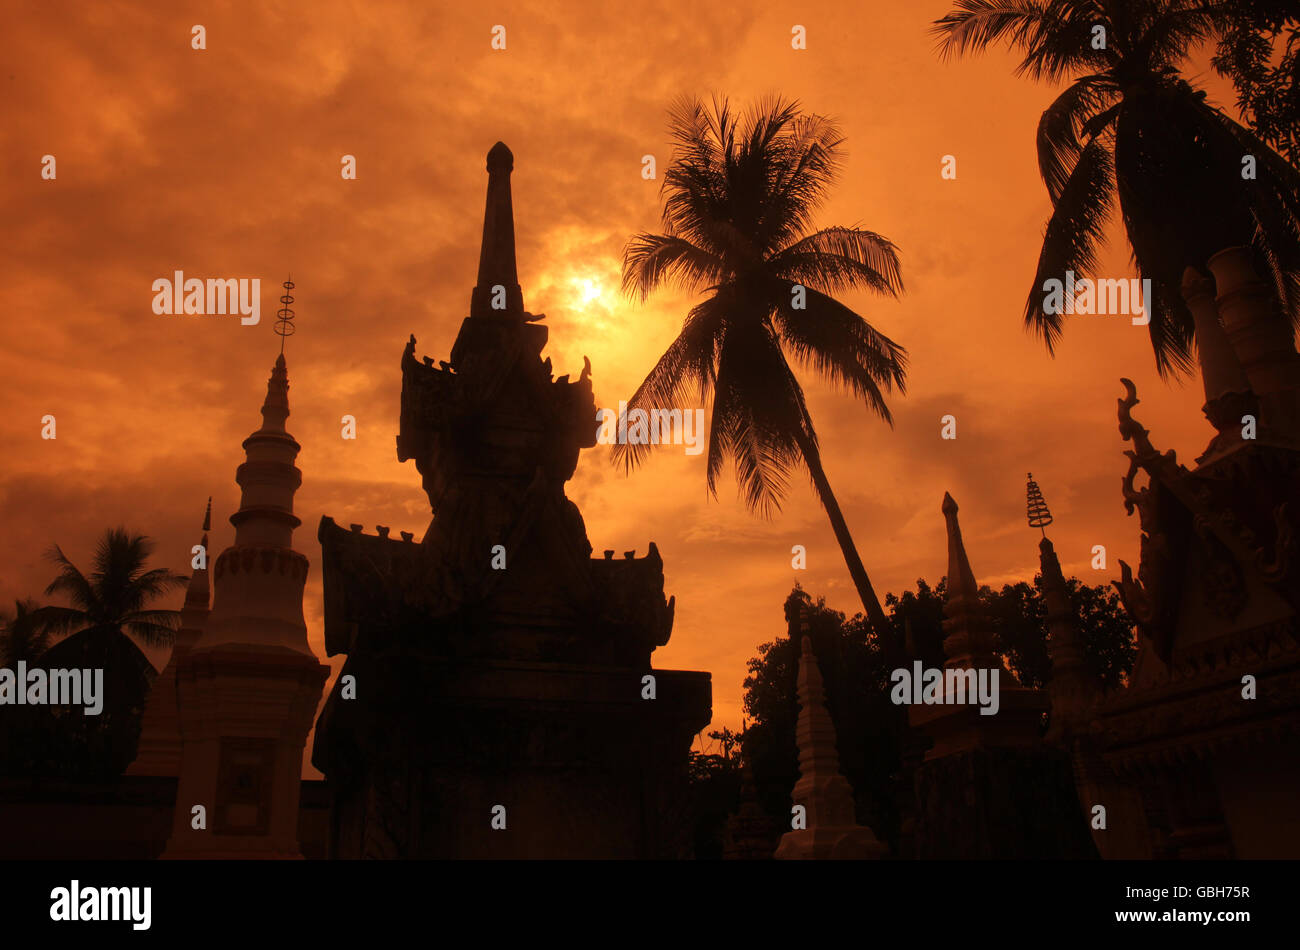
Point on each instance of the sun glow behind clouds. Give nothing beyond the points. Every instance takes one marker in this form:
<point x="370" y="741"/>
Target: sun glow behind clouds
<point x="588" y="290"/>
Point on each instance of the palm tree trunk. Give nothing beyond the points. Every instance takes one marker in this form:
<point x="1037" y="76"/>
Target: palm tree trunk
<point x="871" y="603"/>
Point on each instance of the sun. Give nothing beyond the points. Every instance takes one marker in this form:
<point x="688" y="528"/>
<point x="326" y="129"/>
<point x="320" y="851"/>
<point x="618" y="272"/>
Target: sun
<point x="587" y="290"/>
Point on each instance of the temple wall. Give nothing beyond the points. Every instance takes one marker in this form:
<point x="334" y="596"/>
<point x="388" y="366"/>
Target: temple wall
<point x="122" y="821"/>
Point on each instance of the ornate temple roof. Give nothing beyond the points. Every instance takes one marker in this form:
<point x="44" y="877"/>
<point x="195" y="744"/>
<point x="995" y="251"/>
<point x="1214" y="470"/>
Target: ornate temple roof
<point x="504" y="569"/>
<point x="1217" y="592"/>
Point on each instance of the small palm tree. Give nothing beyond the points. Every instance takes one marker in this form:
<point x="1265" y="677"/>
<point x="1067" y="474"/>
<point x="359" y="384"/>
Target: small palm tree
<point x="1130" y="124"/>
<point x="24" y="636"/>
<point x="113" y="600"/>
<point x="740" y="197"/>
<point x="107" y="609"/>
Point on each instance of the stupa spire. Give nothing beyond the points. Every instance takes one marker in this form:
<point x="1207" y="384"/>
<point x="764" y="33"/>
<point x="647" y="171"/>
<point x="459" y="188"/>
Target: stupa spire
<point x="498" y="293"/>
<point x="1071" y="687"/>
<point x="275" y="410"/>
<point x="158" y="751"/>
<point x="269" y="478"/>
<point x="197" y="595"/>
<point x="248" y="690"/>
<point x="969" y="643"/>
<point x="832" y="830"/>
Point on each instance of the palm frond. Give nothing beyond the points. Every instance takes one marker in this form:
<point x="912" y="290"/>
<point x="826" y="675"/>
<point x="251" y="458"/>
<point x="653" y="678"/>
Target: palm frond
<point x="153" y="634"/>
<point x="842" y="346"/>
<point x="71" y="582"/>
<point x="1073" y="233"/>
<point x="758" y="411"/>
<point x="1065" y="121"/>
<point x="838" y="259"/>
<point x="62" y="620"/>
<point x="155" y="583"/>
<point x="689" y="363"/>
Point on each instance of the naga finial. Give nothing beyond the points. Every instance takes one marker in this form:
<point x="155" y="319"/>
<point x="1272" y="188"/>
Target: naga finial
<point x="1129" y="428"/>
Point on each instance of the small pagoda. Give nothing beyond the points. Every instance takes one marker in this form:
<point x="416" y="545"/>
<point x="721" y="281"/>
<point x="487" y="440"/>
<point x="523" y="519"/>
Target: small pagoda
<point x="498" y="699"/>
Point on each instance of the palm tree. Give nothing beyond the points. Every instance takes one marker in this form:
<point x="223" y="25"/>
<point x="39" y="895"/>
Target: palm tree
<point x="1129" y="124"/>
<point x="24" y="636"/>
<point x="740" y="196"/>
<point x="108" y="608"/>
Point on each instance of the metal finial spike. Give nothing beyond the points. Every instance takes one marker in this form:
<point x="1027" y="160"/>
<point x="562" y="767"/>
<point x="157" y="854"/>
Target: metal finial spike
<point x="284" y="316"/>
<point x="1039" y="515"/>
<point x="207" y="516"/>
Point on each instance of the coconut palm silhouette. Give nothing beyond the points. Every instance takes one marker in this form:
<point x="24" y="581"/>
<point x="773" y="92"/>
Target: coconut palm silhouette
<point x="1130" y="124"/>
<point x="739" y="198"/>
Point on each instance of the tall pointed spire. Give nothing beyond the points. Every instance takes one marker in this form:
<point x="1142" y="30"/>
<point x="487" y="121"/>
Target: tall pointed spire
<point x="969" y="643"/>
<point x="275" y="410"/>
<point x="750" y="831"/>
<point x="197" y="595"/>
<point x="159" y="749"/>
<point x="1071" y="687"/>
<point x="961" y="579"/>
<point x="832" y="830"/>
<point x="269" y="478"/>
<point x="248" y="691"/>
<point x="498" y="293"/>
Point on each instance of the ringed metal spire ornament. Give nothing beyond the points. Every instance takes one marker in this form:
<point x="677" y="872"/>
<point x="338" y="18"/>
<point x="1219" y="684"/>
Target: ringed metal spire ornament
<point x="284" y="316"/>
<point x="1039" y="515"/>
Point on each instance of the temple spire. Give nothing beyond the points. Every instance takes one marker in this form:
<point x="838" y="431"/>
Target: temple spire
<point x="969" y="643"/>
<point x="275" y="410"/>
<point x="197" y="595"/>
<point x="158" y="751"/>
<point x="247" y="691"/>
<point x="1071" y="687"/>
<point x="832" y="829"/>
<point x="269" y="478"/>
<point x="497" y="292"/>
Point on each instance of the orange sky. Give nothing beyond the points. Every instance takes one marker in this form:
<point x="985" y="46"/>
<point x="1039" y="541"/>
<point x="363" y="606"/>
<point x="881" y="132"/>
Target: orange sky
<point x="225" y="163"/>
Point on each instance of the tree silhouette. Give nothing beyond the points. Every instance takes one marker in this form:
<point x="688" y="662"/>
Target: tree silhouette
<point x="856" y="674"/>
<point x="1130" y="124"/>
<point x="1259" y="50"/>
<point x="24" y="636"/>
<point x="739" y="200"/>
<point x="107" y="609"/>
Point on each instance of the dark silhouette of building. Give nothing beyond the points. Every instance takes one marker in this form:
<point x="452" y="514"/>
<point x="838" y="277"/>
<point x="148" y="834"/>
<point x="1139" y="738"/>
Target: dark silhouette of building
<point x="498" y="698"/>
<point x="1208" y="729"/>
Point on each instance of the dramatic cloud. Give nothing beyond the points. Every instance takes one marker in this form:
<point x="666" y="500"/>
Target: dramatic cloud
<point x="226" y="163"/>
